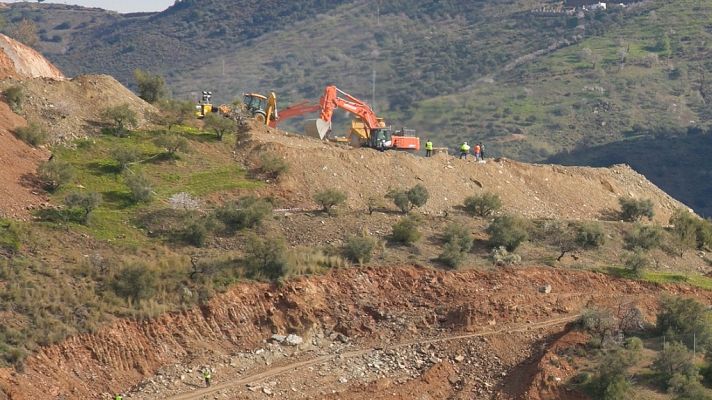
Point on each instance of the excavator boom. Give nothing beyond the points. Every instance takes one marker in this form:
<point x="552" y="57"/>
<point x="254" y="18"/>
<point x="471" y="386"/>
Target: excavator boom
<point x="295" y="110"/>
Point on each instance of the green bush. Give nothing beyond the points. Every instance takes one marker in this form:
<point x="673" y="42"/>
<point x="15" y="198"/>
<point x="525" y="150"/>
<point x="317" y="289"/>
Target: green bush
<point x="590" y="235"/>
<point x="405" y="231"/>
<point x="637" y="263"/>
<point x="273" y="166"/>
<point x="674" y="359"/>
<point x="644" y="237"/>
<point x="121" y="118"/>
<point x="219" y="125"/>
<point x="600" y="323"/>
<point x="140" y="187"/>
<point x="483" y="205"/>
<point x="359" y="248"/>
<point x="10" y="233"/>
<point x="267" y="258"/>
<point x="84" y="203"/>
<point x="124" y="156"/>
<point x="248" y="212"/>
<point x="418" y="195"/>
<point x="375" y="203"/>
<point x="32" y="134"/>
<point x="330" y="198"/>
<point x="400" y="199"/>
<point x="507" y="231"/>
<point x="691" y="230"/>
<point x="135" y="283"/>
<point x="54" y="173"/>
<point x="633" y="210"/>
<point x="174" y="112"/>
<point x="195" y="231"/>
<point x="457" y="244"/>
<point x="680" y="318"/>
<point x="610" y="382"/>
<point x="150" y="87"/>
<point x="501" y="257"/>
<point x="172" y="143"/>
<point x="15" y="95"/>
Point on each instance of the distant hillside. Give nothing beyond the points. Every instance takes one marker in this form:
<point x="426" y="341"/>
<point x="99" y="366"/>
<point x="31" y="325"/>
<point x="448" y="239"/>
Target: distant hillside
<point x="530" y="84"/>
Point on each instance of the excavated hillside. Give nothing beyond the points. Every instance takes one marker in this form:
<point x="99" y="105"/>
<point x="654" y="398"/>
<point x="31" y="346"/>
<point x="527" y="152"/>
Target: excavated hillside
<point x="532" y="190"/>
<point x="381" y="333"/>
<point x="18" y="61"/>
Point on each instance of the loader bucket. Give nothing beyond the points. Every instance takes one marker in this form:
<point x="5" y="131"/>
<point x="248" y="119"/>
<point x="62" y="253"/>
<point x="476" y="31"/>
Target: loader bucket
<point x="317" y="128"/>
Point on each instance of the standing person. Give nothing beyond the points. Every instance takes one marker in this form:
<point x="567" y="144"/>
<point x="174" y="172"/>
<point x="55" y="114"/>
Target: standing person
<point x="464" y="149"/>
<point x="428" y="148"/>
<point x="482" y="151"/>
<point x="477" y="152"/>
<point x="207" y="376"/>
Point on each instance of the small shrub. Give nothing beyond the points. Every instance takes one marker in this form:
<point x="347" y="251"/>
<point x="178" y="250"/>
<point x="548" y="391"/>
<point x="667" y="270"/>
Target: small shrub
<point x="590" y="235"/>
<point x="9" y="237"/>
<point x="418" y="196"/>
<point x="405" y="231"/>
<point x="600" y="323"/>
<point x="633" y="210"/>
<point x="151" y="87"/>
<point x="643" y="237"/>
<point x="248" y="212"/>
<point x="458" y="242"/>
<point x="32" y="134"/>
<point x="121" y="118"/>
<point x="400" y="199"/>
<point x="140" y="187"/>
<point x="501" y="257"/>
<point x="690" y="230"/>
<point x="508" y="231"/>
<point x="135" y="283"/>
<point x="375" y="203"/>
<point x="53" y="174"/>
<point x="124" y="156"/>
<point x="15" y="95"/>
<point x="359" y="248"/>
<point x="172" y="143"/>
<point x="267" y="258"/>
<point x="330" y="198"/>
<point x="83" y="202"/>
<point x="674" y="359"/>
<point x="219" y="124"/>
<point x="273" y="166"/>
<point x="483" y="205"/>
<point x="637" y="263"/>
<point x="195" y="231"/>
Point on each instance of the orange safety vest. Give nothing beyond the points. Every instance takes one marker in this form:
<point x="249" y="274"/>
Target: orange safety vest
<point x="477" y="149"/>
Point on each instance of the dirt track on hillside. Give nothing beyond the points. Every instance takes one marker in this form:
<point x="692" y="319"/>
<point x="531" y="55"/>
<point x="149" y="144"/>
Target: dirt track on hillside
<point x="369" y="307"/>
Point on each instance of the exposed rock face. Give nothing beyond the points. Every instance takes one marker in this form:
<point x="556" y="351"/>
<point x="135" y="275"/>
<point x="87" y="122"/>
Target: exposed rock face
<point x="19" y="61"/>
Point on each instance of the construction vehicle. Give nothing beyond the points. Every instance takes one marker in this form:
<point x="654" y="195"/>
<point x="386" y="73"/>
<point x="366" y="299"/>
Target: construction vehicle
<point x="259" y="107"/>
<point x="367" y="129"/>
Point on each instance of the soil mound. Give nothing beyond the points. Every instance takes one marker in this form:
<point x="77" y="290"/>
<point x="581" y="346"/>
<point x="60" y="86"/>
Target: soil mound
<point x="532" y="190"/>
<point x="18" y="163"/>
<point x="71" y="108"/>
<point x="19" y="62"/>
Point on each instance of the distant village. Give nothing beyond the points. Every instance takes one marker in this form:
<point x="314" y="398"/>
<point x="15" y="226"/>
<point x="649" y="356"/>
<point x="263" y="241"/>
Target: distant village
<point x="572" y="7"/>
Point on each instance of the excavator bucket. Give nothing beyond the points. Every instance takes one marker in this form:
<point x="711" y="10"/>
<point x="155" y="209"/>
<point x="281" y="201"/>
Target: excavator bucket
<point x="317" y="128"/>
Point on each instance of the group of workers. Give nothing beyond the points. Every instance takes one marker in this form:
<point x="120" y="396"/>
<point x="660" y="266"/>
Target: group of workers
<point x="479" y="150"/>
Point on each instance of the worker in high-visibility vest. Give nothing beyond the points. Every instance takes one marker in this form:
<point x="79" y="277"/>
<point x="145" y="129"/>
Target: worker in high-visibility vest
<point x="464" y="149"/>
<point x="428" y="148"/>
<point x="207" y="376"/>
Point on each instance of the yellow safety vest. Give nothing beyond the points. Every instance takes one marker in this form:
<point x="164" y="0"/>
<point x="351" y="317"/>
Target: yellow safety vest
<point x="464" y="148"/>
<point x="206" y="374"/>
<point x="428" y="145"/>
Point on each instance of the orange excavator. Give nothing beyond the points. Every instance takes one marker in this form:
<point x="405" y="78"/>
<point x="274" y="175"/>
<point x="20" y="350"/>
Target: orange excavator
<point x="367" y="129"/>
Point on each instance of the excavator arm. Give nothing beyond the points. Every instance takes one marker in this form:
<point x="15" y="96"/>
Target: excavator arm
<point x="295" y="110"/>
<point x="331" y="100"/>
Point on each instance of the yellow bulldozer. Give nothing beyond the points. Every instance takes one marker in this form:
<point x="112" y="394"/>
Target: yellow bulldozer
<point x="261" y="108"/>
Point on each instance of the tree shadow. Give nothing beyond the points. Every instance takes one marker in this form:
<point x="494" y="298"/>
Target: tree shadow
<point x="609" y="214"/>
<point x="31" y="181"/>
<point x="103" y="168"/>
<point x="117" y="198"/>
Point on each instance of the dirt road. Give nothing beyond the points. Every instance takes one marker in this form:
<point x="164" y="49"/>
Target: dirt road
<point x="276" y="371"/>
